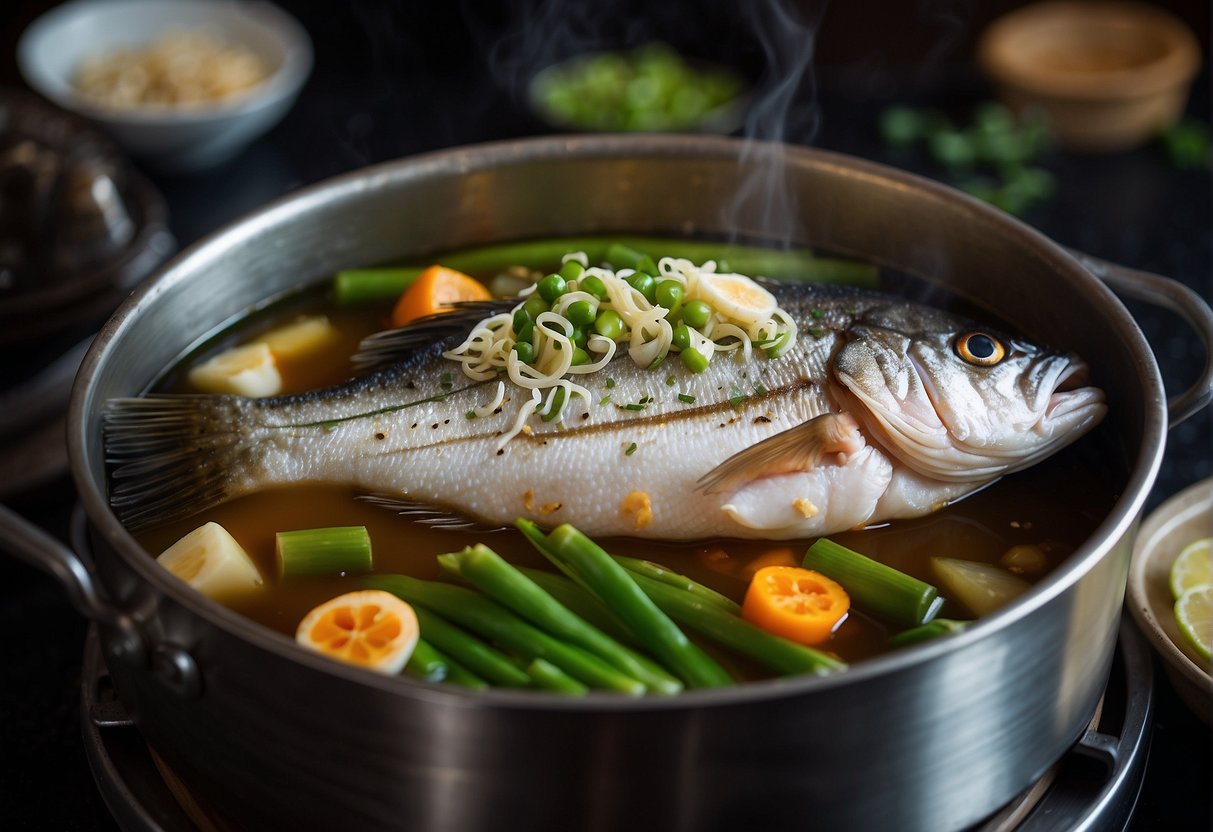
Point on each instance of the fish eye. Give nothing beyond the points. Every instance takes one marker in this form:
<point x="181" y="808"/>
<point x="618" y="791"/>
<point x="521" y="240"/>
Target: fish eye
<point x="980" y="348"/>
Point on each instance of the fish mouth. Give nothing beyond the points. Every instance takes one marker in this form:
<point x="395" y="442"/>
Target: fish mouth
<point x="1072" y="397"/>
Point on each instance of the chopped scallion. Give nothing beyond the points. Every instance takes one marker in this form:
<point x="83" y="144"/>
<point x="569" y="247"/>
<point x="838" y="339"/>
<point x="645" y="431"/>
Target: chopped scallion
<point x="685" y="397"/>
<point x="332" y="551"/>
<point x="631" y="450"/>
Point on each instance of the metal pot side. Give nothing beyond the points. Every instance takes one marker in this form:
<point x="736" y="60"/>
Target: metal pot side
<point x="936" y="738"/>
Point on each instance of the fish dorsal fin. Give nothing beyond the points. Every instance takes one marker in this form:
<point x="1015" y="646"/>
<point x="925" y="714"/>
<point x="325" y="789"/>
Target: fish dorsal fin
<point x="801" y="448"/>
<point x="425" y="514"/>
<point x="390" y="346"/>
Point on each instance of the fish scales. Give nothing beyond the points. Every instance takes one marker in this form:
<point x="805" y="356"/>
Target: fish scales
<point x="788" y="447"/>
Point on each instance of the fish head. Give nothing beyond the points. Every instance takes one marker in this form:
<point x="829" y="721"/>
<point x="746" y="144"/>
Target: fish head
<point x="957" y="401"/>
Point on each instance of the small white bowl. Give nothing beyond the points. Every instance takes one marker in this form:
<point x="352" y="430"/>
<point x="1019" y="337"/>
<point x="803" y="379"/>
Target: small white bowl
<point x="171" y="139"/>
<point x="1185" y="517"/>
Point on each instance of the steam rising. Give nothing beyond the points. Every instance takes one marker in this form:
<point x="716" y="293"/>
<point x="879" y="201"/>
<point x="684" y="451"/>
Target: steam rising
<point x="783" y="105"/>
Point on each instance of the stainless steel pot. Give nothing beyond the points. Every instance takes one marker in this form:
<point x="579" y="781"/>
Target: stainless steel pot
<point x="935" y="737"/>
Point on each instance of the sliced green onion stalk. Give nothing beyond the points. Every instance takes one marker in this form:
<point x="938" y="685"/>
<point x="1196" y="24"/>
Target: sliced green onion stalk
<point x="479" y="657"/>
<point x="482" y="615"/>
<point x="549" y="677"/>
<point x="340" y="550"/>
<point x="584" y="561"/>
<point x="488" y="572"/>
<point x="932" y="629"/>
<point x="659" y="573"/>
<point x="873" y="586"/>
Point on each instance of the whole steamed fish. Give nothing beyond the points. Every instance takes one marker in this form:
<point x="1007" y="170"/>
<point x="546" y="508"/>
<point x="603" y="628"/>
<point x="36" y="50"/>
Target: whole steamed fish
<point x="883" y="409"/>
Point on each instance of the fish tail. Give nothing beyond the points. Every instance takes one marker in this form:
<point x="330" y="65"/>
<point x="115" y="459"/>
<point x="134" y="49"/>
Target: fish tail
<point x="174" y="455"/>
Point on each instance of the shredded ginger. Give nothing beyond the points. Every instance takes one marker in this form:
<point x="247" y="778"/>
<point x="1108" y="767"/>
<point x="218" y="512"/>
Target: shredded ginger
<point x="744" y="314"/>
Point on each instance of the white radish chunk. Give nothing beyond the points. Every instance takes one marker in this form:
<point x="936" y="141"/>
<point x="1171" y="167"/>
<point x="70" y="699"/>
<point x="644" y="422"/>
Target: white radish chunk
<point x="981" y="587"/>
<point x="300" y="338"/>
<point x="246" y="371"/>
<point x="212" y="562"/>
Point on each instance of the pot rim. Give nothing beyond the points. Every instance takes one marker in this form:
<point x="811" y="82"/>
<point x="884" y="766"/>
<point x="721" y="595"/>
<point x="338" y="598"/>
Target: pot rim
<point x="472" y="158"/>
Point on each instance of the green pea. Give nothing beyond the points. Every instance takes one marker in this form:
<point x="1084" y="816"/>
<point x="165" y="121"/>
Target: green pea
<point x="552" y="287"/>
<point x="694" y="360"/>
<point x="524" y="351"/>
<point x="609" y="324"/>
<point x="682" y="337"/>
<point x="579" y="337"/>
<point x="594" y="286"/>
<point x="696" y="313"/>
<point x="521" y="319"/>
<point x="580" y="313"/>
<point x="527" y="333"/>
<point x="645" y="285"/>
<point x="669" y="294"/>
<point x="580" y="357"/>
<point x="535" y="306"/>
<point x="571" y="270"/>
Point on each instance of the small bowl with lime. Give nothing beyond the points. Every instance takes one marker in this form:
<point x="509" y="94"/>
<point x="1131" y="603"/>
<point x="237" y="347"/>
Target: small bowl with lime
<point x="1170" y="591"/>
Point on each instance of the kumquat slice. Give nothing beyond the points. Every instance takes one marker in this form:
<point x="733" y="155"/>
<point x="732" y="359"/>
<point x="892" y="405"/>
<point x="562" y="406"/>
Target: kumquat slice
<point x="370" y="628"/>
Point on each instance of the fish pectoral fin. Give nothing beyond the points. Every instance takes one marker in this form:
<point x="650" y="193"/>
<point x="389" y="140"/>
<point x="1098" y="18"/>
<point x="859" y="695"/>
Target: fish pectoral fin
<point x="801" y="448"/>
<point x="425" y="514"/>
<point x="390" y="346"/>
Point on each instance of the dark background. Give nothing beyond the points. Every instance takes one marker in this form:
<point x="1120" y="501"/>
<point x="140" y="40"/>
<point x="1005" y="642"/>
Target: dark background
<point x="393" y="79"/>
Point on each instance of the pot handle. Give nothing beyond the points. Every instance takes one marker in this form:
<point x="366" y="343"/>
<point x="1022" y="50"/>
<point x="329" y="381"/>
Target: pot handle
<point x="125" y="638"/>
<point x="1173" y="295"/>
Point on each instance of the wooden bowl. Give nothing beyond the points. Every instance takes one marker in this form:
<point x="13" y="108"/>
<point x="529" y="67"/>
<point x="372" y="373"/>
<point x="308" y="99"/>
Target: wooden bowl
<point x="1185" y="517"/>
<point x="1107" y="75"/>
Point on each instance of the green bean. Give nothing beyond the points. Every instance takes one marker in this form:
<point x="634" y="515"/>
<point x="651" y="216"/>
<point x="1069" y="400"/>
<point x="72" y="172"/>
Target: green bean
<point x="735" y="632"/>
<point x="426" y="663"/>
<point x="873" y="586"/>
<point x="549" y="677"/>
<point x="659" y="573"/>
<point x="623" y="256"/>
<point x="581" y="603"/>
<point x="932" y="629"/>
<point x="457" y="674"/>
<point x="355" y="286"/>
<point x="386" y="284"/>
<point x="488" y="572"/>
<point x="490" y="619"/>
<point x="584" y="561"/>
<point x="465" y="648"/>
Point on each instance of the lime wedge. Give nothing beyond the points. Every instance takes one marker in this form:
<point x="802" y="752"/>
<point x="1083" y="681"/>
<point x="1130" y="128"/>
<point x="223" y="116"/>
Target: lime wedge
<point x="1194" y="614"/>
<point x="1193" y="567"/>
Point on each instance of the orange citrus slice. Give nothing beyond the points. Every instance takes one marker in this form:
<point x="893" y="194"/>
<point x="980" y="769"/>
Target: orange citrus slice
<point x="799" y="604"/>
<point x="370" y="628"/>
